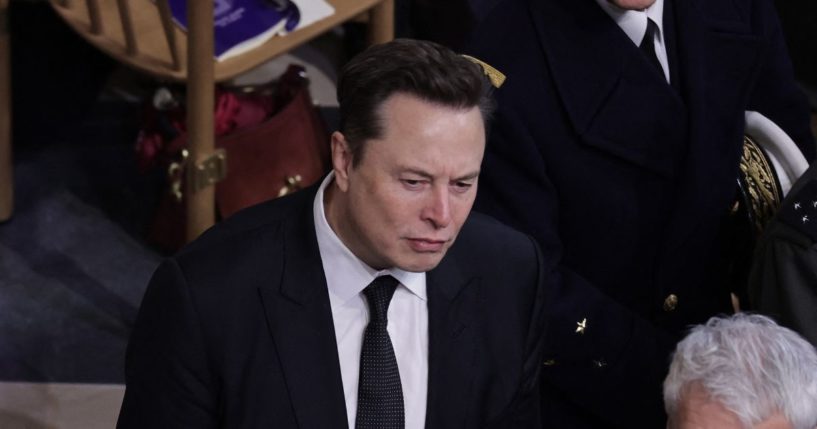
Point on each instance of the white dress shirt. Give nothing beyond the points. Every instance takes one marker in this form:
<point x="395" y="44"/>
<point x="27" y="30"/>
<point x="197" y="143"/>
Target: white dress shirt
<point x="346" y="277"/>
<point x="634" y="24"/>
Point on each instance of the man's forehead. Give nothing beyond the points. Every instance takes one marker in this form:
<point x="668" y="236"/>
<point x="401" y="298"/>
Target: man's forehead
<point x="409" y="114"/>
<point x="401" y="98"/>
<point x="700" y="410"/>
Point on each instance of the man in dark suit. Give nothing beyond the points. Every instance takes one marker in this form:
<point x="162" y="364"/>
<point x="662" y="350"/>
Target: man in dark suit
<point x="351" y="304"/>
<point x="616" y="145"/>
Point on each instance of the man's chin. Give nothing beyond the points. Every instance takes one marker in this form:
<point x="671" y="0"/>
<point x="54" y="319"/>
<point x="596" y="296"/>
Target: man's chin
<point x="421" y="264"/>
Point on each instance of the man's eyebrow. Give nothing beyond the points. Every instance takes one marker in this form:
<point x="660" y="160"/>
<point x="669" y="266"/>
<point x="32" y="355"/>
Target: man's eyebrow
<point x="421" y="173"/>
<point x="470" y="176"/>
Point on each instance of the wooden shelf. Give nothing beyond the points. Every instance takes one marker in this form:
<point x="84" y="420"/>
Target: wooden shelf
<point x="153" y="53"/>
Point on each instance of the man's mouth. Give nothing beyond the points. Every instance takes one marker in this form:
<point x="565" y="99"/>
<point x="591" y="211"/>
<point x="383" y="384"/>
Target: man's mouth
<point x="426" y="245"/>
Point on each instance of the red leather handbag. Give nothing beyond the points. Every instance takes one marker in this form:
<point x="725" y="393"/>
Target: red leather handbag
<point x="286" y="152"/>
<point x="275" y="143"/>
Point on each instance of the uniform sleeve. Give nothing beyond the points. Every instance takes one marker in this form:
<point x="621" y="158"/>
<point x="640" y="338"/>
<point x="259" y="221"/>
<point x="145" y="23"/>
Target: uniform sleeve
<point x="616" y="344"/>
<point x="783" y="280"/>
<point x="168" y="382"/>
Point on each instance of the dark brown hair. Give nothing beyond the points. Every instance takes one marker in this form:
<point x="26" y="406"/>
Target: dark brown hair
<point x="426" y="70"/>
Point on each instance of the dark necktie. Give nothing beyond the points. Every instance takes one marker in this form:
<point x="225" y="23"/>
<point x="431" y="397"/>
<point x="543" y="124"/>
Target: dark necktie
<point x="648" y="45"/>
<point x="379" y="393"/>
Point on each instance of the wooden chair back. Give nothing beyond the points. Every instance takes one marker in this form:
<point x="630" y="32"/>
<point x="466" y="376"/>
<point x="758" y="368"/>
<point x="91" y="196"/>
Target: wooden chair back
<point x="142" y="34"/>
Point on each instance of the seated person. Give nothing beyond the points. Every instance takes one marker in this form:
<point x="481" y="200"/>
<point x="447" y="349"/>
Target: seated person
<point x="375" y="300"/>
<point x="742" y="372"/>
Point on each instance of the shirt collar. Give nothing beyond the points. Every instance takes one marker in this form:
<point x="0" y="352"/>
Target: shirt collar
<point x="634" y="22"/>
<point x="346" y="274"/>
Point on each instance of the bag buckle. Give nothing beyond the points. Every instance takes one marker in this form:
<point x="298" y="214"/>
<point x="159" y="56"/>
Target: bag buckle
<point x="205" y="173"/>
<point x="208" y="171"/>
<point x="175" y="173"/>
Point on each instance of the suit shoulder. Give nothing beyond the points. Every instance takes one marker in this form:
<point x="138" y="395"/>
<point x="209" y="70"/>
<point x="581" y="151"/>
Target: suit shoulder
<point x="238" y="230"/>
<point x="484" y="236"/>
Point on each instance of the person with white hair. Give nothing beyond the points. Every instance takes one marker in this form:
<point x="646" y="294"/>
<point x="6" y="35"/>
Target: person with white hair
<point x="743" y="371"/>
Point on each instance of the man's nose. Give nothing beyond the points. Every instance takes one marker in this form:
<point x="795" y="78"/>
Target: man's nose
<point x="438" y="208"/>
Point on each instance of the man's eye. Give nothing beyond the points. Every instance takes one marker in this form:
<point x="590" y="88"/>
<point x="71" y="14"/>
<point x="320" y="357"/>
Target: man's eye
<point x="462" y="186"/>
<point x="412" y="183"/>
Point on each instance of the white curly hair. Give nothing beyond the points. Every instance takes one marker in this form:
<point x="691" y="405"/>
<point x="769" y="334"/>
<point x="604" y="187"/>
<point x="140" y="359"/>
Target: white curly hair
<point x="752" y="366"/>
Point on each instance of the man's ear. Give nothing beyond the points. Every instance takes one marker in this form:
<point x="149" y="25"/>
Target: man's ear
<point x="341" y="160"/>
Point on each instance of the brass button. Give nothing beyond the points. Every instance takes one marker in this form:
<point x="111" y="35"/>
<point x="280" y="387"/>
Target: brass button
<point x="670" y="302"/>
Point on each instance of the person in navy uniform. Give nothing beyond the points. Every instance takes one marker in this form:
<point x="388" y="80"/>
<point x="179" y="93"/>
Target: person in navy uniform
<point x="616" y="145"/>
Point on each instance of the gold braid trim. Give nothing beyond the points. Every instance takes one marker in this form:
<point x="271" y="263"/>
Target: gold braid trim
<point x="494" y="75"/>
<point x="761" y="183"/>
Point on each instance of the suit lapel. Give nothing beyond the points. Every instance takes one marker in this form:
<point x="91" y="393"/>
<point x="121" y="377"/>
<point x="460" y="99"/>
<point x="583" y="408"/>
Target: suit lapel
<point x="716" y="66"/>
<point x="452" y="307"/>
<point x="615" y="99"/>
<point x="300" y="321"/>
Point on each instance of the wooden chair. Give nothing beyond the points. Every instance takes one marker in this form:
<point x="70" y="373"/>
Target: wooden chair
<point x="770" y="163"/>
<point x="141" y="33"/>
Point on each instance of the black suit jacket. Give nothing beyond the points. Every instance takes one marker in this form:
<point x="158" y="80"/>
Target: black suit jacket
<point x="626" y="180"/>
<point x="236" y="331"/>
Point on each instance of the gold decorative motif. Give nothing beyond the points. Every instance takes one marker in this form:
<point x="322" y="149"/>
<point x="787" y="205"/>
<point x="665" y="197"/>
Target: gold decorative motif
<point x="495" y="76"/>
<point x="581" y="326"/>
<point x="761" y="184"/>
<point x="671" y="302"/>
<point x="293" y="183"/>
<point x="600" y="363"/>
<point x="549" y="362"/>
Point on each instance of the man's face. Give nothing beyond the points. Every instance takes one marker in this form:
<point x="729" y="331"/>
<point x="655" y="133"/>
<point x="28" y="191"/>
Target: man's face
<point x="404" y="202"/>
<point x="632" y="4"/>
<point x="698" y="410"/>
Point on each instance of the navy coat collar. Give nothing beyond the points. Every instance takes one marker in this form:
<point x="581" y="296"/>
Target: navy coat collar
<point x="601" y="76"/>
